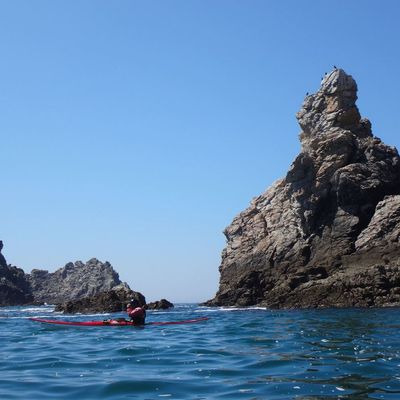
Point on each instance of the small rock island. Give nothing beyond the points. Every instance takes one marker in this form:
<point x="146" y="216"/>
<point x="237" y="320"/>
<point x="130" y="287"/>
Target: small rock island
<point x="327" y="234"/>
<point x="75" y="288"/>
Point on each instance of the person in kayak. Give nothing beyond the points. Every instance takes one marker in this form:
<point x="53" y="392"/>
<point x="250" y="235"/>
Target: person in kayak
<point x="136" y="314"/>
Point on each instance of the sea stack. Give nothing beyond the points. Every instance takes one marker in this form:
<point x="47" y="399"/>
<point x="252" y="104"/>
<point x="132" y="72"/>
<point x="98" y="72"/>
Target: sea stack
<point x="327" y="234"/>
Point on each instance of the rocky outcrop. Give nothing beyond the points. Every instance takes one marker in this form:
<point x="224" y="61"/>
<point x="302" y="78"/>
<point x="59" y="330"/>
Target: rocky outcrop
<point x="113" y="300"/>
<point x="77" y="287"/>
<point x="328" y="233"/>
<point x="14" y="288"/>
<point x="74" y="281"/>
<point x="162" y="304"/>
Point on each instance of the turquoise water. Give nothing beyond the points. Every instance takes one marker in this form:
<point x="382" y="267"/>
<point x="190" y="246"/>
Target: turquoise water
<point x="237" y="354"/>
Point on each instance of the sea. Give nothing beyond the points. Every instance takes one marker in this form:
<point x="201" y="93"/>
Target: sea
<point x="251" y="353"/>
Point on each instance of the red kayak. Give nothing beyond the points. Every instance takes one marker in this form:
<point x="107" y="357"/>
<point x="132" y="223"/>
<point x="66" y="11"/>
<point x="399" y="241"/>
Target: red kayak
<point x="114" y="322"/>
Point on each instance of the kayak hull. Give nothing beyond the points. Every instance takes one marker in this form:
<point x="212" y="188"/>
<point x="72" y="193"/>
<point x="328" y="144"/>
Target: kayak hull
<point x="114" y="322"/>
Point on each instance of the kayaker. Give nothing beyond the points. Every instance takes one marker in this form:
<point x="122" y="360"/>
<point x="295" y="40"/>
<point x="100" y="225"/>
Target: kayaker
<point x="136" y="314"/>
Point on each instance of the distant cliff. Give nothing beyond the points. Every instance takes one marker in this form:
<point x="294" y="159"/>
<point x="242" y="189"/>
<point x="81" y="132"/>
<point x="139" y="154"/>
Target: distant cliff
<point x="328" y="233"/>
<point x="74" y="281"/>
<point x="75" y="288"/>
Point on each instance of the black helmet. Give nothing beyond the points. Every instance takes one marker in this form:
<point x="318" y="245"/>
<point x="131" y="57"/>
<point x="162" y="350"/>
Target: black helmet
<point x="134" y="303"/>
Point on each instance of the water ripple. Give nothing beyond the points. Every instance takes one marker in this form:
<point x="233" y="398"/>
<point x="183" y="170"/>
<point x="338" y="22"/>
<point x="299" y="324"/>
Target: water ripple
<point x="237" y="354"/>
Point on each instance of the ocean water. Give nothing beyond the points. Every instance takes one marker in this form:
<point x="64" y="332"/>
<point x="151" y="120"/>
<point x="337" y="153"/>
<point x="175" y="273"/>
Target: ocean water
<point x="236" y="354"/>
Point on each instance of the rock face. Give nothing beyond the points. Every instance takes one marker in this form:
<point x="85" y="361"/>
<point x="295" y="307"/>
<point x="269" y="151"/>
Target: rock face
<point x="328" y="233"/>
<point x="114" y="300"/>
<point x="74" y="281"/>
<point x="14" y="288"/>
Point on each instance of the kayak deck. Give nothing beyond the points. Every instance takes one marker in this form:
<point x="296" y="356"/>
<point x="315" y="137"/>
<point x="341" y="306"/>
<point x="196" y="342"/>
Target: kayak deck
<point x="114" y="322"/>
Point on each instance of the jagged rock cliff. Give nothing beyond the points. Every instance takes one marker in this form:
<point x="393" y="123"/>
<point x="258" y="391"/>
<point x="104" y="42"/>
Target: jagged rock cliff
<point x="74" y="281"/>
<point x="77" y="287"/>
<point x="328" y="233"/>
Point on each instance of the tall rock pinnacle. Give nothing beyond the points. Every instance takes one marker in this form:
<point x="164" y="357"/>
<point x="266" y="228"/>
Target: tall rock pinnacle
<point x="334" y="105"/>
<point x="289" y="246"/>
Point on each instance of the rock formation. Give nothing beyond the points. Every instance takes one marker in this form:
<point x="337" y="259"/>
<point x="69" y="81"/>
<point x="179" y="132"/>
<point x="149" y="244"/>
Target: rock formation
<point x="113" y="300"/>
<point x="14" y="288"/>
<point x="74" y="281"/>
<point x="328" y="233"/>
<point x="162" y="304"/>
<point x="77" y="287"/>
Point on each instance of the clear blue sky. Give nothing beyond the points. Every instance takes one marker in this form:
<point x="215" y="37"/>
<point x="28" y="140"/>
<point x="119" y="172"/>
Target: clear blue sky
<point x="134" y="131"/>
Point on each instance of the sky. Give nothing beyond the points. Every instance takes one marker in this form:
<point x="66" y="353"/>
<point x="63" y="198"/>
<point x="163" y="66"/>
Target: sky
<point x="135" y="131"/>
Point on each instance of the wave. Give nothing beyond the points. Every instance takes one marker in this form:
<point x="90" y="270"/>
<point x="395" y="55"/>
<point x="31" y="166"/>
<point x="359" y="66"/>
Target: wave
<point x="233" y="308"/>
<point x="36" y="309"/>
